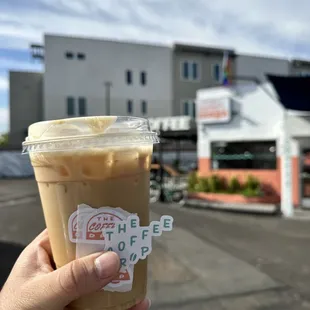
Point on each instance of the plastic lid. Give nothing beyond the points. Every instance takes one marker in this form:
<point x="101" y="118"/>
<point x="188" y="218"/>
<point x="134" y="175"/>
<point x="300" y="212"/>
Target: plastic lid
<point x="85" y="132"/>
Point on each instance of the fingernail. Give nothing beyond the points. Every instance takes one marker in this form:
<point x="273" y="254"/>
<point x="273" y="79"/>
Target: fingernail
<point x="107" y="265"/>
<point x="149" y="302"/>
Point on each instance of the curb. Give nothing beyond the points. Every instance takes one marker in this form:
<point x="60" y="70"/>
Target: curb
<point x="18" y="200"/>
<point x="267" y="209"/>
<point x="18" y="197"/>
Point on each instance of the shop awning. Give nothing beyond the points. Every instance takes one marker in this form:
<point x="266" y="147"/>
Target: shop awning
<point x="293" y="91"/>
<point x="298" y="126"/>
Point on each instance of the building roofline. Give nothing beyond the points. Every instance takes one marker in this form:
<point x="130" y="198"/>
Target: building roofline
<point x="25" y="72"/>
<point x="110" y="40"/>
<point x="202" y="49"/>
<point x="263" y="56"/>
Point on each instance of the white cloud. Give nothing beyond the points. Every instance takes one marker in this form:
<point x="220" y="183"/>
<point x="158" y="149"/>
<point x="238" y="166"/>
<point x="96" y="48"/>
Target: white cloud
<point x="4" y="120"/>
<point x="4" y="84"/>
<point x="258" y="26"/>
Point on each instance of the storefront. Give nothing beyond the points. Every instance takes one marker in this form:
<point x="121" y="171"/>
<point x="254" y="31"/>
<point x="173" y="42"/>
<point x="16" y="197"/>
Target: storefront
<point x="244" y="130"/>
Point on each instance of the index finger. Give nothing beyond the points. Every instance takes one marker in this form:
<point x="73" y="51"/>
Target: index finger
<point x="43" y="241"/>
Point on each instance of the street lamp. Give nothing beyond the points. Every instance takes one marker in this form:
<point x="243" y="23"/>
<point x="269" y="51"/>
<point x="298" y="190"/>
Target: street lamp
<point x="108" y="86"/>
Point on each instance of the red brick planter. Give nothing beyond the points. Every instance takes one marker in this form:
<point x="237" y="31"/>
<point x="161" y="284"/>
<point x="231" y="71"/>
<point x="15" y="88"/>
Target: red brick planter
<point x="234" y="198"/>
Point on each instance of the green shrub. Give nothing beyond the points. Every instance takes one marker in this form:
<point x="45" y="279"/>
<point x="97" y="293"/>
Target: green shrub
<point x="234" y="185"/>
<point x="192" y="181"/>
<point x="215" y="184"/>
<point x="252" y="183"/>
<point x="202" y="185"/>
<point x="248" y="192"/>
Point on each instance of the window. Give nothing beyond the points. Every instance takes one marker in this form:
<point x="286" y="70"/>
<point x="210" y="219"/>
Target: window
<point x="190" y="70"/>
<point x="143" y="78"/>
<point x="186" y="109"/>
<point x="244" y="155"/>
<point x="217" y="72"/>
<point x="303" y="73"/>
<point x="185" y="72"/>
<point x="189" y="108"/>
<point x="129" y="77"/>
<point x="70" y="106"/>
<point x="129" y="106"/>
<point x="69" y="55"/>
<point x="195" y="71"/>
<point x="144" y="107"/>
<point x="81" y="56"/>
<point x="82" y="106"/>
<point x="194" y="109"/>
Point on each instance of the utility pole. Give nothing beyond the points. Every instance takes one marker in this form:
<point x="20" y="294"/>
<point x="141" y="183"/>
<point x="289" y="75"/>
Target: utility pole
<point x="108" y="86"/>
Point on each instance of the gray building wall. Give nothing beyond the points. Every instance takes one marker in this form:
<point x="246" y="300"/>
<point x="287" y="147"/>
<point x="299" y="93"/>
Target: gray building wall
<point x="25" y="104"/>
<point x="106" y="61"/>
<point x="206" y="58"/>
<point x="299" y="67"/>
<point x="258" y="66"/>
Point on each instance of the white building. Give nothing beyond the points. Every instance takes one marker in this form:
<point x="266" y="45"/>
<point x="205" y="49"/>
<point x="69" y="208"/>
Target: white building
<point x="90" y="77"/>
<point x="244" y="130"/>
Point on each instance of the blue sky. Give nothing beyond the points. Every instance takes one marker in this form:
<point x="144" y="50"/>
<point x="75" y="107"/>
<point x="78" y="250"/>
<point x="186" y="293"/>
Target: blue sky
<point x="277" y="28"/>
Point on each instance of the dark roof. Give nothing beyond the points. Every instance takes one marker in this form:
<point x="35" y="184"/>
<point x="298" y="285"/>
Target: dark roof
<point x="293" y="91"/>
<point x="202" y="49"/>
<point x="35" y="45"/>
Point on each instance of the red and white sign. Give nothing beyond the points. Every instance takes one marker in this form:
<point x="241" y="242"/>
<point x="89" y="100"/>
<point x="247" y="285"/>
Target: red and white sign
<point x="214" y="110"/>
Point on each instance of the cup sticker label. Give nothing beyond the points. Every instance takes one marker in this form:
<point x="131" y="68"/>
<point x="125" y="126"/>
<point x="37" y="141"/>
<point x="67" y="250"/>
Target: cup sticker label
<point x="114" y="229"/>
<point x="133" y="242"/>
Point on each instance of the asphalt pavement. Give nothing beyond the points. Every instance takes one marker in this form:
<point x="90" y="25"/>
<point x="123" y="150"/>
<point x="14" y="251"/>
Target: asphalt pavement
<point x="211" y="260"/>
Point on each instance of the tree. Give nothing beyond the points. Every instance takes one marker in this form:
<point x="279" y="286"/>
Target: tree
<point x="4" y="139"/>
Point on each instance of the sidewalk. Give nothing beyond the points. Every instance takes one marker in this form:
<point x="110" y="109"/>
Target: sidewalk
<point x="201" y="271"/>
<point x="301" y="214"/>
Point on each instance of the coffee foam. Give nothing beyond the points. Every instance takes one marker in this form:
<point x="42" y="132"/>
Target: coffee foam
<point x="70" y="127"/>
<point x="95" y="133"/>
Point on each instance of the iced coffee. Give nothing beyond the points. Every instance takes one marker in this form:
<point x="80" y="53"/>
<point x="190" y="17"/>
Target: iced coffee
<point x="98" y="162"/>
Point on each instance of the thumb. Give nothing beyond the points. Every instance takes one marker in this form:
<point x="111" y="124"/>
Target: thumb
<point x="83" y="276"/>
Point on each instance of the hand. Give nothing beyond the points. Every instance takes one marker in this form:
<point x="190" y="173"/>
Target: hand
<point x="34" y="284"/>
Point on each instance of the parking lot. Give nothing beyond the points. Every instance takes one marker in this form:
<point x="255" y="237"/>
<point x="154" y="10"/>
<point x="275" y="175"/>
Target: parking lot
<point x="211" y="260"/>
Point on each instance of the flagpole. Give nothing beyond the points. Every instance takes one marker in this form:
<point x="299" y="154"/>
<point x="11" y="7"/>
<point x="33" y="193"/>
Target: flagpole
<point x="225" y="68"/>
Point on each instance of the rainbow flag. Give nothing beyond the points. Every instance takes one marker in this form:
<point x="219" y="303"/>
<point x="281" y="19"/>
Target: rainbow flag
<point x="226" y="69"/>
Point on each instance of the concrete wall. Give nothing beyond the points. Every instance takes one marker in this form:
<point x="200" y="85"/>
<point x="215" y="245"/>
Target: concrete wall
<point x="186" y="89"/>
<point x="255" y="66"/>
<point x="25" y="104"/>
<point x="106" y="61"/>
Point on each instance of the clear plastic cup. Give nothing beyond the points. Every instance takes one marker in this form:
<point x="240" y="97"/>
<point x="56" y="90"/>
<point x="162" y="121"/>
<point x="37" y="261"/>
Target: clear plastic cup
<point x="97" y="161"/>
